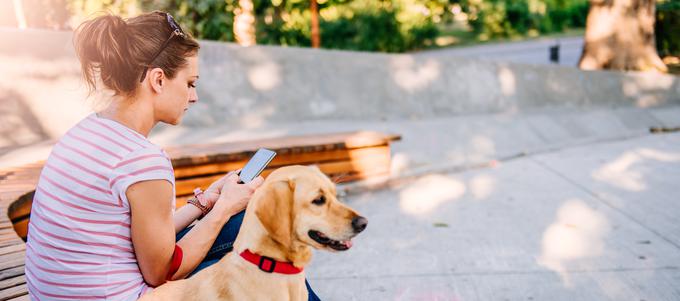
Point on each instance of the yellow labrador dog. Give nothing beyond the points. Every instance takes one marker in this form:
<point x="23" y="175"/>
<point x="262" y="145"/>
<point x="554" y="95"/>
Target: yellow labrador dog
<point x="294" y="210"/>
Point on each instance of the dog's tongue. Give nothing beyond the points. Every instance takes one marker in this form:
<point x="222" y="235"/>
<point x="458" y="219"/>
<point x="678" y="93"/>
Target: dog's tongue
<point x="347" y="243"/>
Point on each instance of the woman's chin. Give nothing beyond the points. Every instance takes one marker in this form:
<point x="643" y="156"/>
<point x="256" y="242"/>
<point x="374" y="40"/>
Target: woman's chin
<point x="174" y="121"/>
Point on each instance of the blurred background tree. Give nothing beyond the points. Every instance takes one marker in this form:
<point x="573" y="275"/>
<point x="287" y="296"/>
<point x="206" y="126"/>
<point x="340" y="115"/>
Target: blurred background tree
<point x="620" y="35"/>
<point x="366" y="25"/>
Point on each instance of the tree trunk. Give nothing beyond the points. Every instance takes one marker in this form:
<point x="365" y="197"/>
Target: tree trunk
<point x="316" y="40"/>
<point x="620" y="36"/>
<point x="244" y="23"/>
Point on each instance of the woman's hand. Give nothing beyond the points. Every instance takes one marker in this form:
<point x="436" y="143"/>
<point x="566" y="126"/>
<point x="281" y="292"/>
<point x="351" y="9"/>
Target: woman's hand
<point x="212" y="194"/>
<point x="233" y="197"/>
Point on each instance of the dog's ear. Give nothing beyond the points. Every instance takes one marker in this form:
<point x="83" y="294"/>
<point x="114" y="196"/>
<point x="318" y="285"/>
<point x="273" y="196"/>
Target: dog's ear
<point x="276" y="212"/>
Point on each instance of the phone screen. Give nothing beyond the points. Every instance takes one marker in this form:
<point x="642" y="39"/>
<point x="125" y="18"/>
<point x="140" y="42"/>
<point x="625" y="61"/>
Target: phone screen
<point x="256" y="164"/>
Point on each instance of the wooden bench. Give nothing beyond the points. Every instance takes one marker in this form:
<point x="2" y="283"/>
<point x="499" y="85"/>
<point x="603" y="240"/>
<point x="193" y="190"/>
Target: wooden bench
<point x="342" y="156"/>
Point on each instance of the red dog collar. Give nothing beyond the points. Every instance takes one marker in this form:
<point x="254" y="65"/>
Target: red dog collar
<point x="270" y="265"/>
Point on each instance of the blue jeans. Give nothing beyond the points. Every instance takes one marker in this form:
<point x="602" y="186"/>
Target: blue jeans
<point x="225" y="243"/>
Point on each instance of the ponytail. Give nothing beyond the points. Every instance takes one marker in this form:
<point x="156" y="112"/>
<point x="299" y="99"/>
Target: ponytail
<point x="102" y="47"/>
<point x="115" y="51"/>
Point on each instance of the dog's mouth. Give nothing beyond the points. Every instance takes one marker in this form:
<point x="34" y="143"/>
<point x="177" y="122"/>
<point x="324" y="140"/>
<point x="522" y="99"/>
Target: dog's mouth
<point x="333" y="244"/>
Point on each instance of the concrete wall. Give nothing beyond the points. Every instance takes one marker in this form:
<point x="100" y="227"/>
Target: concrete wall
<point x="42" y="95"/>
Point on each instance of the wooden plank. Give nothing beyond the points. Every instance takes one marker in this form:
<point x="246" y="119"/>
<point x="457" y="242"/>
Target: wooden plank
<point x="7" y="235"/>
<point x="282" y="160"/>
<point x="13" y="292"/>
<point x="22" y="298"/>
<point x="12" y="249"/>
<point x="14" y="281"/>
<point x="366" y="165"/>
<point x="13" y="272"/>
<point x="202" y="154"/>
<point x="11" y="242"/>
<point x="11" y="260"/>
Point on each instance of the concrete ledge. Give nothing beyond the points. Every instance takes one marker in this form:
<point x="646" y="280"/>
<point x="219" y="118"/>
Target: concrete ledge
<point x="255" y="86"/>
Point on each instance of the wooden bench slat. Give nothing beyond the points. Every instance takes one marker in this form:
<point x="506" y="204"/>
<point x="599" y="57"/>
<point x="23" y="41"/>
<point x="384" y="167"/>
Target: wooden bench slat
<point x="21" y="298"/>
<point x="282" y="160"/>
<point x="13" y="292"/>
<point x="12" y="272"/>
<point x="14" y="281"/>
<point x="201" y="154"/>
<point x="353" y="154"/>
<point x="358" y="167"/>
<point x="11" y="260"/>
<point x="7" y="235"/>
<point x="12" y="249"/>
<point x="11" y="242"/>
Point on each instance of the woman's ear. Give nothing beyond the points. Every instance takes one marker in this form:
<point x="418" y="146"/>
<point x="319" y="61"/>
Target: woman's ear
<point x="157" y="78"/>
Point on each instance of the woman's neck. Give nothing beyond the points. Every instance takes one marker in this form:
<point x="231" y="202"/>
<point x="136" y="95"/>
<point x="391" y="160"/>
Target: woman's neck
<point x="132" y="113"/>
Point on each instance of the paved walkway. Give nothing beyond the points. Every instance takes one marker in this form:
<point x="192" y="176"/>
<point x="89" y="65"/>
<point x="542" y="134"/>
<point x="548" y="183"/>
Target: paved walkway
<point x="527" y="52"/>
<point x="592" y="222"/>
<point x="580" y="205"/>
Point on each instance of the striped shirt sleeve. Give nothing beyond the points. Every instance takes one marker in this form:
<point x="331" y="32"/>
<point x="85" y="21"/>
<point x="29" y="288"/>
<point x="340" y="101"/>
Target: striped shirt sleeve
<point x="144" y="164"/>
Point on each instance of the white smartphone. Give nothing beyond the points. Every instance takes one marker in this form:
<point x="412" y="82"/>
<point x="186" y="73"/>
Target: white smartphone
<point x="256" y="165"/>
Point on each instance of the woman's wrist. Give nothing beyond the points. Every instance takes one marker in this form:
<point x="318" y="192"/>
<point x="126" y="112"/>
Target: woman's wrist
<point x="224" y="208"/>
<point x="201" y="202"/>
<point x="218" y="217"/>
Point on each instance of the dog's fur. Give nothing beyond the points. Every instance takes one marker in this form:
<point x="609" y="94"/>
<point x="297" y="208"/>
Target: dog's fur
<point x="277" y="222"/>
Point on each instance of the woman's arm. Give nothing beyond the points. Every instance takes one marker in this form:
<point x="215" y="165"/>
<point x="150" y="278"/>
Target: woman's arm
<point x="153" y="235"/>
<point x="152" y="223"/>
<point x="188" y="214"/>
<point x="232" y="198"/>
<point x="185" y="216"/>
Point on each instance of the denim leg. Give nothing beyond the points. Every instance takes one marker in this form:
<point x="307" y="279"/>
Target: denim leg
<point x="312" y="295"/>
<point x="224" y="243"/>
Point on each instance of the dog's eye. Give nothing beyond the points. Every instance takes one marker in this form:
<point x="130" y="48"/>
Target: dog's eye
<point x="319" y="201"/>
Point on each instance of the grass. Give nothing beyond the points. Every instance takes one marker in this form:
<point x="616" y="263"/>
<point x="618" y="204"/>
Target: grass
<point x="454" y="35"/>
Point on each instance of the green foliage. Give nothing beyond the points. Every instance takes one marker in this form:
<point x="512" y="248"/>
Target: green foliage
<point x="368" y="25"/>
<point x="204" y="19"/>
<point x="352" y="25"/>
<point x="366" y="30"/>
<point x="510" y="18"/>
<point x="667" y="28"/>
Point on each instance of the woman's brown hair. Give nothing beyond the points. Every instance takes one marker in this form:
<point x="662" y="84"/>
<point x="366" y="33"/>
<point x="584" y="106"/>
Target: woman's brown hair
<point x="118" y="51"/>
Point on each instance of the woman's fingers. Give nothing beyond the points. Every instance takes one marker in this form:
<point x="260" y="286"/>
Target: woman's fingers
<point x="217" y="185"/>
<point x="255" y="183"/>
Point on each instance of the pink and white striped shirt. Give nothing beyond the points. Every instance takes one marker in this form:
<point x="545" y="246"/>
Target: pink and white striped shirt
<point x="79" y="245"/>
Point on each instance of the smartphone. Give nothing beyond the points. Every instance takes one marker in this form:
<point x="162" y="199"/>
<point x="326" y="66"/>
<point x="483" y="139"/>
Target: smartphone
<point x="256" y="165"/>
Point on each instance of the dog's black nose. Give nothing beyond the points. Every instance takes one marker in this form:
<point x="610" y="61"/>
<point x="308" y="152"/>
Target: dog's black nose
<point x="359" y="223"/>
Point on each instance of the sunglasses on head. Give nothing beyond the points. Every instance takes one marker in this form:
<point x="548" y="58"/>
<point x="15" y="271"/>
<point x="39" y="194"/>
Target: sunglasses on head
<point x="176" y="32"/>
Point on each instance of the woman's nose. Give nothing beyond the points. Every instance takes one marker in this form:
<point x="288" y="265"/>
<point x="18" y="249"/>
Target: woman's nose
<point x="193" y="97"/>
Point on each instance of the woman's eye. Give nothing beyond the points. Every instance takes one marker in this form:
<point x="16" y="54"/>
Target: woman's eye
<point x="192" y="85"/>
<point x="319" y="201"/>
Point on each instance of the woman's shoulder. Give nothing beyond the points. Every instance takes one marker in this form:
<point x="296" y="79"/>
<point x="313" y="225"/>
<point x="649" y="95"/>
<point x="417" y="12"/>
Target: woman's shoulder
<point x="109" y="142"/>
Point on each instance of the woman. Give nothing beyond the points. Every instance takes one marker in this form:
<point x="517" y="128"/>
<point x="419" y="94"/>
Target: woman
<point x="103" y="222"/>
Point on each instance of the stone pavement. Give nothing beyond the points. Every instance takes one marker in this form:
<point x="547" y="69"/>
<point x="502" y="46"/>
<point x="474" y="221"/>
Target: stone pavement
<point x="599" y="221"/>
<point x="552" y="204"/>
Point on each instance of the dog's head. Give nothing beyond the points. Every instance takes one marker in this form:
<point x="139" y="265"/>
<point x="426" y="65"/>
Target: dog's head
<point x="298" y="204"/>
